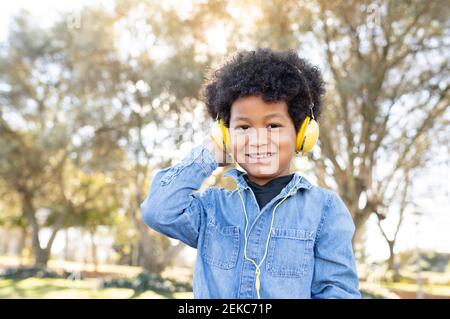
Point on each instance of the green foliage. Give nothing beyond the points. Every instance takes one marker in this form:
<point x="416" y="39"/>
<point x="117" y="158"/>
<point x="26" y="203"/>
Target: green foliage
<point x="29" y="272"/>
<point x="145" y="281"/>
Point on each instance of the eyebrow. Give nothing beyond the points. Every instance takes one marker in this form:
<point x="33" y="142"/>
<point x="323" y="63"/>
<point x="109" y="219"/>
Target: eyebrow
<point x="265" y="117"/>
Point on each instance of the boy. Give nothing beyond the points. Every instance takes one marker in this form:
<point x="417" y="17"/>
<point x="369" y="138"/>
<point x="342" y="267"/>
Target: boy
<point x="276" y="235"/>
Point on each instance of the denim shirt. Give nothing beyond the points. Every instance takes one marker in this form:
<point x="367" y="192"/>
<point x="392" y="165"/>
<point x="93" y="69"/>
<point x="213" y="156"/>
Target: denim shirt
<point x="310" y="249"/>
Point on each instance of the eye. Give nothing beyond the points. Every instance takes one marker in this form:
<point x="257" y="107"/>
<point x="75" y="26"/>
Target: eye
<point x="242" y="127"/>
<point x="274" y="125"/>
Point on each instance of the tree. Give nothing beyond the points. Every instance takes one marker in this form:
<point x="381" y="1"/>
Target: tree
<point x="388" y="95"/>
<point x="42" y="127"/>
<point x="381" y="215"/>
<point x="387" y="69"/>
<point x="157" y="94"/>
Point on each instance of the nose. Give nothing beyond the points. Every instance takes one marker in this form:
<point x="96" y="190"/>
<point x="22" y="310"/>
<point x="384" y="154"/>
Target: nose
<point x="258" y="138"/>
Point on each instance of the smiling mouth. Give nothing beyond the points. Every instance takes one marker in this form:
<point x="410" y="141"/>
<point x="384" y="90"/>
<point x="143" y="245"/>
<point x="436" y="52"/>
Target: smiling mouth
<point x="259" y="156"/>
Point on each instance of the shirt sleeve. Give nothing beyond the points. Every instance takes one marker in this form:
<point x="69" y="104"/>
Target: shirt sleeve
<point x="335" y="273"/>
<point x="174" y="206"/>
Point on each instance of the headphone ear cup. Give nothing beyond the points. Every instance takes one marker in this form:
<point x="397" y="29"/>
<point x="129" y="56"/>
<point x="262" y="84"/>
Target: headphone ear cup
<point x="216" y="134"/>
<point x="226" y="135"/>
<point x="311" y="136"/>
<point x="307" y="136"/>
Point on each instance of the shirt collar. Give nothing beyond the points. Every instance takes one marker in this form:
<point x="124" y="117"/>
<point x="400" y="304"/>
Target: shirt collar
<point x="238" y="176"/>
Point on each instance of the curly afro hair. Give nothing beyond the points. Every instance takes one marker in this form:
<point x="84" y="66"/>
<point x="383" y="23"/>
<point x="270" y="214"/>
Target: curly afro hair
<point x="273" y="75"/>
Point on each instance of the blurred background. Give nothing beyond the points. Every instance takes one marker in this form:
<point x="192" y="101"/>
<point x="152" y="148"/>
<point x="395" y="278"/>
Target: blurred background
<point x="96" y="96"/>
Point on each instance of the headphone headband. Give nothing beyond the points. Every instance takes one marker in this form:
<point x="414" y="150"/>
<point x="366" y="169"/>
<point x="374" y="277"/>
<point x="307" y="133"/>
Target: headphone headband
<point x="308" y="91"/>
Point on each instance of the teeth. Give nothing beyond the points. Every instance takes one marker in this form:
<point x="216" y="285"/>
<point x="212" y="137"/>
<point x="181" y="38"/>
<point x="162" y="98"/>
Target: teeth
<point x="260" y="155"/>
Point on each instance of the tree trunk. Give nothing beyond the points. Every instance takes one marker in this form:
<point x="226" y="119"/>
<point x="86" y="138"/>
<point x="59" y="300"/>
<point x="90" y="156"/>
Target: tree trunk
<point x="166" y="259"/>
<point x="66" y="245"/>
<point x="41" y="257"/>
<point x="149" y="258"/>
<point x="94" y="250"/>
<point x="21" y="246"/>
<point x="391" y="260"/>
<point x="360" y="220"/>
<point x="40" y="254"/>
<point x="135" y="254"/>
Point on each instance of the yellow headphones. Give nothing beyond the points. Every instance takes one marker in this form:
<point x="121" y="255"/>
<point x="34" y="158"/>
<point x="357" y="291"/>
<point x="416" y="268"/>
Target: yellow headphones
<point x="307" y="135"/>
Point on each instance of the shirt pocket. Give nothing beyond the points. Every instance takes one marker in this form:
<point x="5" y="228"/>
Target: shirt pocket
<point x="221" y="245"/>
<point x="290" y="252"/>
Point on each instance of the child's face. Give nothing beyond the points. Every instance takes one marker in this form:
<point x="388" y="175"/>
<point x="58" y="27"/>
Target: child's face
<point x="257" y="127"/>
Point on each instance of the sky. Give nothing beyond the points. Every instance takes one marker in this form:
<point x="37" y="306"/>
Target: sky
<point x="433" y="229"/>
<point x="43" y="8"/>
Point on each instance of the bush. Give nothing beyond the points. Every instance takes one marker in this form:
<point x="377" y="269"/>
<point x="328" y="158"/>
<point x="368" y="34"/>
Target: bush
<point x="28" y="272"/>
<point x="146" y="281"/>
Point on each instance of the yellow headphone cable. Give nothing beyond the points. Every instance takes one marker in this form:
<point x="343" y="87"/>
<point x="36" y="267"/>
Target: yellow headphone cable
<point x="258" y="265"/>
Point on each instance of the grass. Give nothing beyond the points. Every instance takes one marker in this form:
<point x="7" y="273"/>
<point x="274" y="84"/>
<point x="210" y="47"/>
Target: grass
<point x="45" y="288"/>
<point x="51" y="288"/>
<point x="375" y="291"/>
<point x="118" y="270"/>
<point x="429" y="289"/>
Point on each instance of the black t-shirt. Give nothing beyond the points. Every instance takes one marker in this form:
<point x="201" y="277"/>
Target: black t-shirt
<point x="267" y="192"/>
